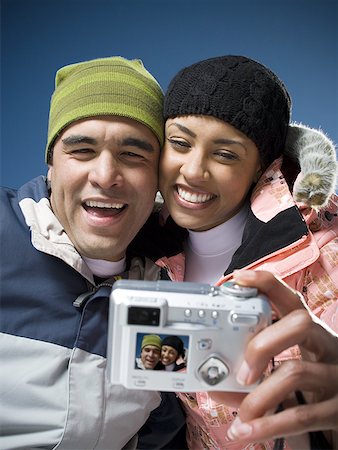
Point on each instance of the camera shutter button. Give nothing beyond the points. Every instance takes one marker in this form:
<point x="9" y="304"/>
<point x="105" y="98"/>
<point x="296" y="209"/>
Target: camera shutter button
<point x="241" y="292"/>
<point x="244" y="319"/>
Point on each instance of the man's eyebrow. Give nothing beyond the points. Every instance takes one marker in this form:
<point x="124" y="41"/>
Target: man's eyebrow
<point x="127" y="142"/>
<point x="230" y="142"/>
<point x="183" y="128"/>
<point x="78" y="139"/>
<point x="140" y="143"/>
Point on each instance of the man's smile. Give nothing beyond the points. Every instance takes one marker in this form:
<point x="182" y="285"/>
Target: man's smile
<point x="104" y="209"/>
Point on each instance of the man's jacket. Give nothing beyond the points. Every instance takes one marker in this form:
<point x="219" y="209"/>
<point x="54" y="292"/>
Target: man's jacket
<point x="53" y="387"/>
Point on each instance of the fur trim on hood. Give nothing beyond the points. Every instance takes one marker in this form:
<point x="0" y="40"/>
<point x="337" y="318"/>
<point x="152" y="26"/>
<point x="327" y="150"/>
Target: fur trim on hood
<point x="316" y="155"/>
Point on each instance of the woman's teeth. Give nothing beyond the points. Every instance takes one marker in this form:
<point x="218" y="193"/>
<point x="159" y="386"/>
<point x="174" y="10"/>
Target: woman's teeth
<point x="193" y="198"/>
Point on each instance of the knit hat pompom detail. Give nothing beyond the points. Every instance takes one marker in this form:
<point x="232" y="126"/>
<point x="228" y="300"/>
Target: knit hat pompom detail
<point x="239" y="91"/>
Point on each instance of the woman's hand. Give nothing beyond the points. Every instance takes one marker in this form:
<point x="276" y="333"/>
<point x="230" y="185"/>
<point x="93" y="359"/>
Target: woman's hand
<point x="317" y="375"/>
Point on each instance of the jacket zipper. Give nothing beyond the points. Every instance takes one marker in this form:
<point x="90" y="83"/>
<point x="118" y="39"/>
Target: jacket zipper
<point x="83" y="298"/>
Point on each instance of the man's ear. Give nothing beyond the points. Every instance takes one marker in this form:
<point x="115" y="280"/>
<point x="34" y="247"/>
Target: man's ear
<point x="49" y="173"/>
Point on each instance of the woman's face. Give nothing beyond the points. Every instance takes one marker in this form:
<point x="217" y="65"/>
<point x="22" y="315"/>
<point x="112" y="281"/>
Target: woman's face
<point x="168" y="355"/>
<point x="206" y="170"/>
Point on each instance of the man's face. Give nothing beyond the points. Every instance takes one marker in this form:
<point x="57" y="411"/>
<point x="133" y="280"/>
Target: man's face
<point x="150" y="356"/>
<point x="103" y="183"/>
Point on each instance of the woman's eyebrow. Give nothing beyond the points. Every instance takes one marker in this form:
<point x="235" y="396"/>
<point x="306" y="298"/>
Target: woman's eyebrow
<point x="216" y="141"/>
<point x="183" y="128"/>
<point x="78" y="139"/>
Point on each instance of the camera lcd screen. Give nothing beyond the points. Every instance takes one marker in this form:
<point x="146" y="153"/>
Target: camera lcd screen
<point x="161" y="352"/>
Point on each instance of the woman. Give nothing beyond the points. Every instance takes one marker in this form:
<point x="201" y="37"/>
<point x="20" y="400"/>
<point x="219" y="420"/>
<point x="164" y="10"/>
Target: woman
<point x="223" y="178"/>
<point x="172" y="353"/>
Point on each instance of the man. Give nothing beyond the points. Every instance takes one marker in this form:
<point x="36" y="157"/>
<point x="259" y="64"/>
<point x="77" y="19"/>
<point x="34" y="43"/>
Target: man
<point x="61" y="237"/>
<point x="150" y="352"/>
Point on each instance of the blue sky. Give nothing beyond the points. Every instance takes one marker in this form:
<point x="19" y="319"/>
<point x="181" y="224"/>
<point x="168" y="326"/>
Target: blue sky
<point x="298" y="39"/>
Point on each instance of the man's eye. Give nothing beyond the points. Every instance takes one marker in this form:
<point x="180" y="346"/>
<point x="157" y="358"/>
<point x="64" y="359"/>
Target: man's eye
<point x="80" y="151"/>
<point x="132" y="155"/>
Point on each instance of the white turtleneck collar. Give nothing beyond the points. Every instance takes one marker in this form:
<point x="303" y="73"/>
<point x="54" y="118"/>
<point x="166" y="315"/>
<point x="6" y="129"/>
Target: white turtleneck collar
<point x="105" y="269"/>
<point x="208" y="253"/>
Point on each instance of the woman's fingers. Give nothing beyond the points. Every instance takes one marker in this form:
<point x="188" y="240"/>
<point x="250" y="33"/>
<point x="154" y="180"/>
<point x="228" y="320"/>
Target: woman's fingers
<point x="293" y="421"/>
<point x="295" y="329"/>
<point x="283" y="298"/>
<point x="316" y="374"/>
<point x="256" y="420"/>
<point x="291" y="376"/>
<point x="270" y="342"/>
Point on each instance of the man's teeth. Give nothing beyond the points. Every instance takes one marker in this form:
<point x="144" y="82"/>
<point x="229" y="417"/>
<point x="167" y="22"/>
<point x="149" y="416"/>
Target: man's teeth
<point x="194" y="198"/>
<point x="94" y="204"/>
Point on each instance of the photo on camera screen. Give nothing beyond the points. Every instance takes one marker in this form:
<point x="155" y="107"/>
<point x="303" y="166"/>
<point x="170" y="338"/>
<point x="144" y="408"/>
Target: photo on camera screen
<point x="161" y="352"/>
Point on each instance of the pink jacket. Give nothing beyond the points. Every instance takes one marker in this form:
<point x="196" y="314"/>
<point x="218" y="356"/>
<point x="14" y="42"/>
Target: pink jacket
<point x="309" y="263"/>
<point x="307" y="260"/>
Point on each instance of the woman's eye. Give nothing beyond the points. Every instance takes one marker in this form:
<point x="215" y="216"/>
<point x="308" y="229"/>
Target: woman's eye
<point x="227" y="156"/>
<point x="178" y="144"/>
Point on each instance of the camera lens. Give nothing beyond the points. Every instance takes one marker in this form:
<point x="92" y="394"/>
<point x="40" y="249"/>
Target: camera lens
<point x="143" y="316"/>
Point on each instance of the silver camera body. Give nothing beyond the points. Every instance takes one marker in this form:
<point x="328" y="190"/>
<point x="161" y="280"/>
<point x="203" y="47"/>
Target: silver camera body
<point x="214" y="323"/>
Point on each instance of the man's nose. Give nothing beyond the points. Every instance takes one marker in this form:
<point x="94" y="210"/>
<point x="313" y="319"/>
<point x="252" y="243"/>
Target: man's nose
<point x="105" y="171"/>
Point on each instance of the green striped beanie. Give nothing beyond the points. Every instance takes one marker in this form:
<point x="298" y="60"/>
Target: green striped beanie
<point x="105" y="87"/>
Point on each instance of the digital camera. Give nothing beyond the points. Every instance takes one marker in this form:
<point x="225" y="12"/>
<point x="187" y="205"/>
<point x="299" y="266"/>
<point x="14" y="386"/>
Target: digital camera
<point x="212" y="324"/>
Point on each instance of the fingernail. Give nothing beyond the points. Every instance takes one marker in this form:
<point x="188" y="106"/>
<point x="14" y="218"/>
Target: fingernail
<point x="239" y="430"/>
<point x="243" y="373"/>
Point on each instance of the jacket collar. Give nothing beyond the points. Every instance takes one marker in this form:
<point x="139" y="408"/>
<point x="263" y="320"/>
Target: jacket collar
<point x="47" y="234"/>
<point x="274" y="221"/>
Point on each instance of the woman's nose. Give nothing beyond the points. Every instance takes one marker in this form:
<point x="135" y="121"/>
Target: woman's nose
<point x="194" y="168"/>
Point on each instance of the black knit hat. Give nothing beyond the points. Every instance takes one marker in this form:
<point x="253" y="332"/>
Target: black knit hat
<point x="175" y="342"/>
<point x="239" y="91"/>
